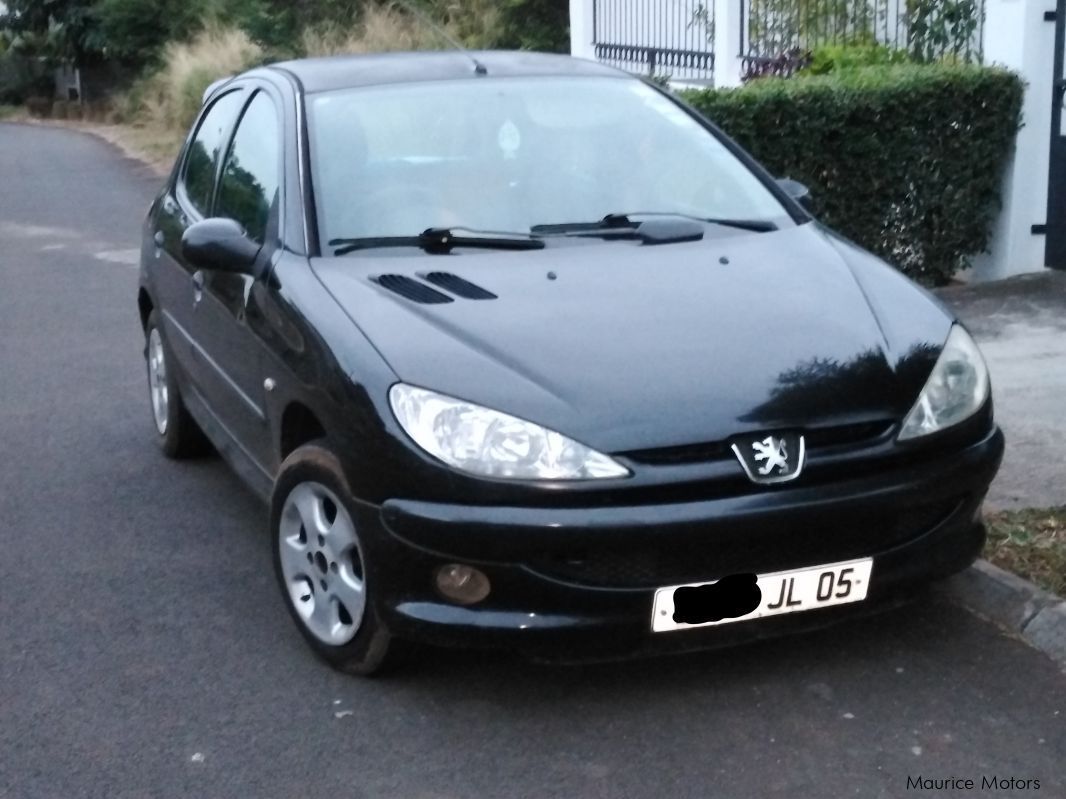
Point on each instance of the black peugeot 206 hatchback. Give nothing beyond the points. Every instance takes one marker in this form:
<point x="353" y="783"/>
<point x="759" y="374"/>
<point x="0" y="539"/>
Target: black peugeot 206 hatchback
<point x="525" y="353"/>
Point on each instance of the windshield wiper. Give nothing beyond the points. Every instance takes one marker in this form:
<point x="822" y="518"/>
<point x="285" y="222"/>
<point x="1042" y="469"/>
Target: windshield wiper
<point x="441" y="241"/>
<point x="613" y="223"/>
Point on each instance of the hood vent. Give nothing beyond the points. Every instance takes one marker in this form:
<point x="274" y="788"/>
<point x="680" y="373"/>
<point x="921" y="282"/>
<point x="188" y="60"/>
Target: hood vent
<point x="456" y="285"/>
<point x="412" y="289"/>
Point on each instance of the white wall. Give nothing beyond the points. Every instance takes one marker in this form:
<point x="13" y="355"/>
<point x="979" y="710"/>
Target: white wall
<point x="1018" y="37"/>
<point x="581" y="33"/>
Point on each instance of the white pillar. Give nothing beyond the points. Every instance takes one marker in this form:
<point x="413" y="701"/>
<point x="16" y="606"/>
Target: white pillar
<point x="728" y="65"/>
<point x="581" y="32"/>
<point x="1019" y="38"/>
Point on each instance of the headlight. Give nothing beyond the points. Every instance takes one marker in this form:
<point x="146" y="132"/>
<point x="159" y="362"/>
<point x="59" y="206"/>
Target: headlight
<point x="493" y="444"/>
<point x="956" y="388"/>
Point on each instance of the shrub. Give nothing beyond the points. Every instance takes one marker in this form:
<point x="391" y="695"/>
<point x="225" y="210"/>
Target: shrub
<point x="905" y="160"/>
<point x="837" y="57"/>
<point x="39" y="106"/>
<point x="784" y="65"/>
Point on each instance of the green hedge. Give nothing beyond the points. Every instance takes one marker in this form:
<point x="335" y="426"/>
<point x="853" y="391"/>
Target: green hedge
<point x="905" y="160"/>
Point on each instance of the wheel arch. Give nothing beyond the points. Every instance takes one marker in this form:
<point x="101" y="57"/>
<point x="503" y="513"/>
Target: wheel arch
<point x="299" y="425"/>
<point x="145" y="306"/>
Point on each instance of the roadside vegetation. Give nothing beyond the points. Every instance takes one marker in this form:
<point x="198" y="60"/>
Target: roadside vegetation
<point x="146" y="63"/>
<point x="1032" y="544"/>
<point x="162" y="105"/>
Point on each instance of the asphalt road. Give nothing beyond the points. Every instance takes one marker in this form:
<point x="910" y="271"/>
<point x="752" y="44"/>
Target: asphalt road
<point x="145" y="652"/>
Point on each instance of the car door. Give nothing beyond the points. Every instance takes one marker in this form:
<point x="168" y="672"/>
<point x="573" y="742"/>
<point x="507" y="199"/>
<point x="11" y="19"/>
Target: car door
<point x="248" y="191"/>
<point x="187" y="201"/>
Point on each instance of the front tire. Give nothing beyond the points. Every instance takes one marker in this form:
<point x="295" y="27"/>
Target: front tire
<point x="321" y="563"/>
<point x="178" y="434"/>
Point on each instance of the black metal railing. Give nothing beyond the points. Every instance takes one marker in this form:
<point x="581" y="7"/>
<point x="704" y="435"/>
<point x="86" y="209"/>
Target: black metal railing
<point x="779" y="32"/>
<point x="675" y="38"/>
<point x="667" y="38"/>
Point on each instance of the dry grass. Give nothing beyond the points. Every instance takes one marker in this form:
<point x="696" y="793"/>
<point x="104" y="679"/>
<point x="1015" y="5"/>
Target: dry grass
<point x="388" y="28"/>
<point x="1031" y="543"/>
<point x="152" y="119"/>
<point x="155" y="148"/>
<point x="168" y="100"/>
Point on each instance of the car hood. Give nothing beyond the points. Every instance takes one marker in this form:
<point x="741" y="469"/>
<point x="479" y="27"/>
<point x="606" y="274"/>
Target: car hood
<point x="624" y="346"/>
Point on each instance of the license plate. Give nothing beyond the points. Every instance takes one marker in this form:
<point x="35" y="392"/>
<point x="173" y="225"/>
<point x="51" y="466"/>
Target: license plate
<point x="745" y="597"/>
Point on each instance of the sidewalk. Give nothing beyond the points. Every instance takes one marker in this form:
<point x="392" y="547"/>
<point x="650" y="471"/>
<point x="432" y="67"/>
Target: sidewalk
<point x="1020" y="324"/>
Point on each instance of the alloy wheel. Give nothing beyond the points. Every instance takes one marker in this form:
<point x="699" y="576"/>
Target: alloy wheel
<point x="157" y="381"/>
<point x="321" y="563"/>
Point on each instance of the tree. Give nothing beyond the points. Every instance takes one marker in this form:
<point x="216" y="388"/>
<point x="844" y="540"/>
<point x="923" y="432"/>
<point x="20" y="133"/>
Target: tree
<point x="276" y="24"/>
<point x="535" y="25"/>
<point x="134" y="31"/>
<point x="59" y="31"/>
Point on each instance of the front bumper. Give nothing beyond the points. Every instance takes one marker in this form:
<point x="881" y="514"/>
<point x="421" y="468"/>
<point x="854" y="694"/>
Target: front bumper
<point x="575" y="583"/>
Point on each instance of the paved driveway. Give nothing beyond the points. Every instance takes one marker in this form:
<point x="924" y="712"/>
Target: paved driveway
<point x="144" y="651"/>
<point x="1021" y="326"/>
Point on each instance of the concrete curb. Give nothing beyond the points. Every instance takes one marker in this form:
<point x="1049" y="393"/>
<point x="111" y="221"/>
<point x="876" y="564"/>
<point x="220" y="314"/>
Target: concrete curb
<point x="1015" y="604"/>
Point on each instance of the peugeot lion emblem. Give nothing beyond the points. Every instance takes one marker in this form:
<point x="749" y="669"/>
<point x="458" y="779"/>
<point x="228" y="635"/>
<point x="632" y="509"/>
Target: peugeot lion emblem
<point x="771" y="458"/>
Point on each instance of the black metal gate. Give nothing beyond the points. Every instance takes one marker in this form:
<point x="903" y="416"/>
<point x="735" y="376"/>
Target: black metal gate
<point x="928" y="31"/>
<point x="668" y="39"/>
<point x="1055" y="247"/>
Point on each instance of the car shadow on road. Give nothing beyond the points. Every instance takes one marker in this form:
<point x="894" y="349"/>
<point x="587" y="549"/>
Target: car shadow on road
<point x="922" y="631"/>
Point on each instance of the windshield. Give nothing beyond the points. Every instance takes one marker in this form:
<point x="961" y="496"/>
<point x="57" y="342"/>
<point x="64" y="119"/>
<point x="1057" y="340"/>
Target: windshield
<point x="510" y="154"/>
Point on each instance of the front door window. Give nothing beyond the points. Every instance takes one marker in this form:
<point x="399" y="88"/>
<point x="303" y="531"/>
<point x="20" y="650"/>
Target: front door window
<point x="248" y="189"/>
<point x="198" y="173"/>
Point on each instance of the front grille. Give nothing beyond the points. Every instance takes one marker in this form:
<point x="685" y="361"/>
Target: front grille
<point x="688" y="453"/>
<point x="836" y="437"/>
<point x="847" y="435"/>
<point x="739" y="549"/>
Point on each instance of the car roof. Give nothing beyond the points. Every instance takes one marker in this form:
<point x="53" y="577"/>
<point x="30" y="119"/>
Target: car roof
<point x="350" y="71"/>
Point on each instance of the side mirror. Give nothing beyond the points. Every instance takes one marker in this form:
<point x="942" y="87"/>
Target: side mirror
<point x="219" y="244"/>
<point x="797" y="191"/>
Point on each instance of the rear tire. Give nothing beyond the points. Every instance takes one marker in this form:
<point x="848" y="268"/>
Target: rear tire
<point x="321" y="564"/>
<point x="177" y="433"/>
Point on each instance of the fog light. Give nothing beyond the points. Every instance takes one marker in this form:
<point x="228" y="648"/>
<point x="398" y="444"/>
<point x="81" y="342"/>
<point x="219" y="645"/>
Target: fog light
<point x="462" y="584"/>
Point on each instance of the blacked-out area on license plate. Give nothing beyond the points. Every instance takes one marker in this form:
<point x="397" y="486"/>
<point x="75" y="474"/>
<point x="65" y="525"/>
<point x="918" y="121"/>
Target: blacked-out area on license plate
<point x="740" y="597"/>
<point x="730" y="597"/>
